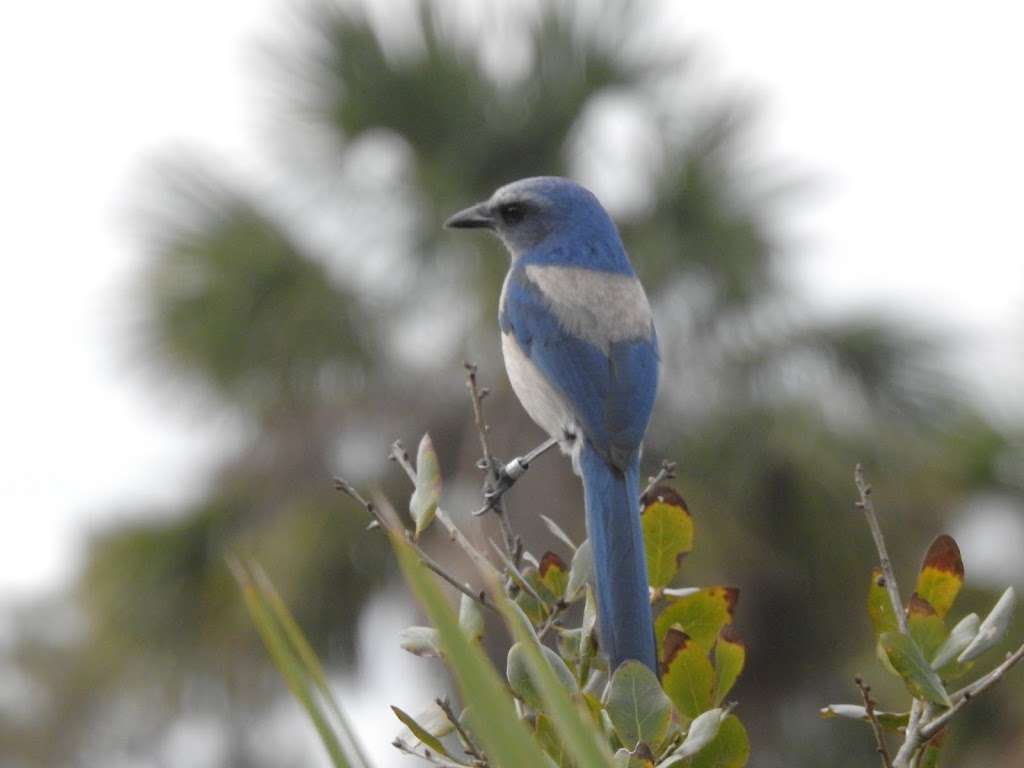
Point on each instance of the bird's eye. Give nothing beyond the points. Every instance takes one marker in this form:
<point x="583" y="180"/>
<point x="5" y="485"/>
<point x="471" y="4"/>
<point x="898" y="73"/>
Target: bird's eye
<point x="512" y="213"/>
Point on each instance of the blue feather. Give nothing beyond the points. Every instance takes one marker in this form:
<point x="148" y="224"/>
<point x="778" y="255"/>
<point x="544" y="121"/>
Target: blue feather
<point x="611" y="497"/>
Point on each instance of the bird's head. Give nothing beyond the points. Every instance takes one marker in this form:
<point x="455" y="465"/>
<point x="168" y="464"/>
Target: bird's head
<point x="526" y="213"/>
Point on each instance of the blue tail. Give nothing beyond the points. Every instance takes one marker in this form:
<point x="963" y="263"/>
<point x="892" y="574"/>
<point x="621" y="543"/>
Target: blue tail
<point x="612" y="499"/>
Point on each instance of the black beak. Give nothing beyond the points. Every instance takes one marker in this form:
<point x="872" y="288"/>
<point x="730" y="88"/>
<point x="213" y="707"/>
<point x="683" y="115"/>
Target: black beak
<point x="476" y="217"/>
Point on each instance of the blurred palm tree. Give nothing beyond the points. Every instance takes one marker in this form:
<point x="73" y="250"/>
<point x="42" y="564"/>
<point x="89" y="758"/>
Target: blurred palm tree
<point x="332" y="314"/>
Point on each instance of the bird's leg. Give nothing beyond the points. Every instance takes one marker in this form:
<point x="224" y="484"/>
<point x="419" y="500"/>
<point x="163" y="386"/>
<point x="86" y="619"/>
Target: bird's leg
<point x="506" y="475"/>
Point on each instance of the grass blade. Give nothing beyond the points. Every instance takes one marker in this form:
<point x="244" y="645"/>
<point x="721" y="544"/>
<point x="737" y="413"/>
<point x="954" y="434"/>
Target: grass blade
<point x="506" y="740"/>
<point x="287" y="662"/>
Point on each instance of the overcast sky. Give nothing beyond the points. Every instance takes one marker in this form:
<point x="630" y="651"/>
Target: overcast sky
<point x="909" y="114"/>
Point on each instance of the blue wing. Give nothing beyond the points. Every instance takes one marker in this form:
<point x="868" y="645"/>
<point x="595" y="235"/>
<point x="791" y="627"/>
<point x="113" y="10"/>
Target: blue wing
<point x="610" y="394"/>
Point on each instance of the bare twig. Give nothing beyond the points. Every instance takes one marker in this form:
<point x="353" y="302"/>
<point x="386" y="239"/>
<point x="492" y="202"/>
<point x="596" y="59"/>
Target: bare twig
<point x="557" y="611"/>
<point x="910" y="742"/>
<point x="493" y="470"/>
<point x="962" y="697"/>
<point x="426" y="560"/>
<point x="666" y="472"/>
<point x="869" y="707"/>
<point x="400" y="456"/>
<point x="467" y="741"/>
<point x="514" y="574"/>
<point x="866" y="504"/>
<point x="426" y="754"/>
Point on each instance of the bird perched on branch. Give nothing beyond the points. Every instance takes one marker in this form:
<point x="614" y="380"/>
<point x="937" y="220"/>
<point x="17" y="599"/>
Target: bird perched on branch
<point x="582" y="356"/>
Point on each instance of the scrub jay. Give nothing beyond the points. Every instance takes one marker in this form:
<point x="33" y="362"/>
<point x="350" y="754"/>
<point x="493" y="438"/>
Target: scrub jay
<point x="582" y="356"/>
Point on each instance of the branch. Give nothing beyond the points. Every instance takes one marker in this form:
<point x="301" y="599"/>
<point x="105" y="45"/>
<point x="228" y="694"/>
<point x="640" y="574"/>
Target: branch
<point x="471" y="748"/>
<point x="968" y="693"/>
<point x="869" y="708"/>
<point x="865" y="503"/>
<point x="427" y="755"/>
<point x="496" y="479"/>
<point x="399" y="455"/>
<point x="426" y="560"/>
<point x="666" y="472"/>
<point x="910" y="742"/>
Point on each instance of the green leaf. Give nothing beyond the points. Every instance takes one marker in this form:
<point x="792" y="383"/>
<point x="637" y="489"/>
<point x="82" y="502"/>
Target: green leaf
<point x="907" y="659"/>
<point x="427" y="495"/>
<point x="893" y="721"/>
<point x="959" y="638"/>
<point x="668" y="534"/>
<point x="626" y="759"/>
<point x="729" y="749"/>
<point x="580" y="572"/>
<point x="927" y="628"/>
<point x="509" y="746"/>
<point x="883" y="618"/>
<point x="555" y="687"/>
<point x="422" y="734"/>
<point x="552" y="743"/>
<point x="420" y="641"/>
<point x="521" y="673"/>
<point x="639" y="710"/>
<point x="557" y="531"/>
<point x="292" y="661"/>
<point x="701" y="615"/>
<point x="310" y="662"/>
<point x="941" y="576"/>
<point x="471" y="618"/>
<point x="702" y="731"/>
<point x="730" y="656"/>
<point x="992" y="628"/>
<point x="686" y="673"/>
<point x="554" y="574"/>
<point x="588" y="635"/>
<point x="537" y="611"/>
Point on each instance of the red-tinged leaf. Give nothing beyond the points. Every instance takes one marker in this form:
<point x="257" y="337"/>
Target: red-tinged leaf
<point x="730" y="656"/>
<point x="554" y="574"/>
<point x="686" y="673"/>
<point x="668" y="534"/>
<point x="700" y="615"/>
<point x="942" y="575"/>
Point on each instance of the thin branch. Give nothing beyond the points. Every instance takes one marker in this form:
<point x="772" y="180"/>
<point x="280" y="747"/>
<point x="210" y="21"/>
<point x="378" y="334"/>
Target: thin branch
<point x="869" y="707"/>
<point x="471" y="748"/>
<point x="400" y="456"/>
<point x="865" y="503"/>
<point x="559" y="608"/>
<point x="910" y="742"/>
<point x="493" y="479"/>
<point x="517" y="577"/>
<point x="968" y="693"/>
<point x="666" y="472"/>
<point x="347" y="488"/>
<point x="426" y="754"/>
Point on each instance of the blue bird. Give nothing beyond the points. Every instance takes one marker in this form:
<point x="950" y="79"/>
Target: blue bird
<point x="582" y="356"/>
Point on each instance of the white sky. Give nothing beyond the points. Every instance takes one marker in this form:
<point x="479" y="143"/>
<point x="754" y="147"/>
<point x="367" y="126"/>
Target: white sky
<point x="910" y="113"/>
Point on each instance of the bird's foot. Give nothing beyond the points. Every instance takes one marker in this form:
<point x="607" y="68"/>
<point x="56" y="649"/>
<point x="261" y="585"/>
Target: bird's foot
<point x="506" y="475"/>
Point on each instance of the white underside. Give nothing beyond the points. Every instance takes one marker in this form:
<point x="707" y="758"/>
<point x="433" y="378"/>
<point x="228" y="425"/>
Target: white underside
<point x="545" y="405"/>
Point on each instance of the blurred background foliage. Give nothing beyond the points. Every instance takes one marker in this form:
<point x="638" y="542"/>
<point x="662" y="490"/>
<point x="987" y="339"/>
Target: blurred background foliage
<point x="331" y="313"/>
